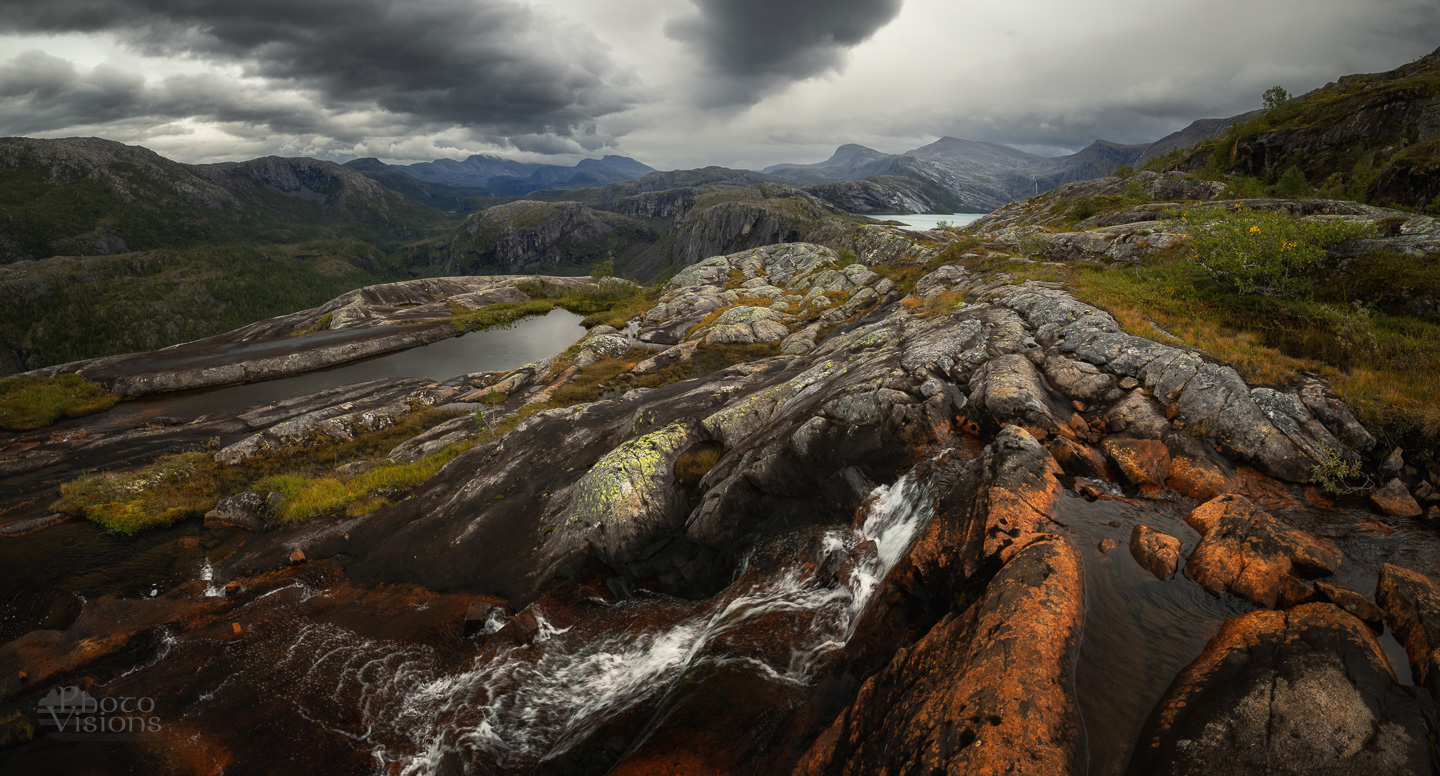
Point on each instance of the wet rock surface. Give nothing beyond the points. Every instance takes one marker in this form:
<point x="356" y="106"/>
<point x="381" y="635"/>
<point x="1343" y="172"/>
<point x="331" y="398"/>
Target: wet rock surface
<point x="1304" y="691"/>
<point x="1250" y="553"/>
<point x="872" y="571"/>
<point x="1411" y="602"/>
<point x="1159" y="553"/>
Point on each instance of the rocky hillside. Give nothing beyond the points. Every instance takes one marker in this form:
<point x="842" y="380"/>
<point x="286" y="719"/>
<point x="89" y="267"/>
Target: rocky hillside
<point x="86" y="196"/>
<point x="1371" y="138"/>
<point x="644" y="231"/>
<point x="524" y="236"/>
<point x="492" y="176"/>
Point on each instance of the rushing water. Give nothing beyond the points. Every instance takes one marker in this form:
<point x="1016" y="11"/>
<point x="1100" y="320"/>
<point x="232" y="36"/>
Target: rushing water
<point x="516" y="707"/>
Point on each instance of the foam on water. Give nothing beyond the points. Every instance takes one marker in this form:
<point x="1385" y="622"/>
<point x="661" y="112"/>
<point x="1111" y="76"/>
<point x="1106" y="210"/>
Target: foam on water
<point x="517" y="707"/>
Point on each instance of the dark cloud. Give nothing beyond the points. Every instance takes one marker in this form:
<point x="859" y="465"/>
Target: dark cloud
<point x="495" y="66"/>
<point x="755" y="46"/>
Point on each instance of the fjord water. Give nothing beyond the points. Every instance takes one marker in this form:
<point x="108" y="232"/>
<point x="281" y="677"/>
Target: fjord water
<point x="930" y="221"/>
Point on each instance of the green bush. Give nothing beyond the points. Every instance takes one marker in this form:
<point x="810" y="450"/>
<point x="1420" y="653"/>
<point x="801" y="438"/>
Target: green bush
<point x="1083" y="209"/>
<point x="1292" y="185"/>
<point x="1269" y="253"/>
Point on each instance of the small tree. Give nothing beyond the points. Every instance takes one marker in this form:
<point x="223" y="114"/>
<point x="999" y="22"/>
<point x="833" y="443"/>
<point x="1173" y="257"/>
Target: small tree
<point x="603" y="270"/>
<point x="1276" y="96"/>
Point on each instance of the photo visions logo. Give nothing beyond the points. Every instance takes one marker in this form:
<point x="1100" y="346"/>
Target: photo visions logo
<point x="72" y="714"/>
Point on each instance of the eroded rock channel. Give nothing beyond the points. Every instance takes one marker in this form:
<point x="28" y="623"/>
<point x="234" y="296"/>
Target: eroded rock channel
<point x="951" y="523"/>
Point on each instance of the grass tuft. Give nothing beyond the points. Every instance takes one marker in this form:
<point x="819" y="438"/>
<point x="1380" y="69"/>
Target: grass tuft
<point x="692" y="465"/>
<point x="28" y="403"/>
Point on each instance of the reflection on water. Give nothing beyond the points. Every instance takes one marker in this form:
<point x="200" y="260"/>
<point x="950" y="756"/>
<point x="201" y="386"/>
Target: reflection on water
<point x="529" y="339"/>
<point x="930" y="221"/>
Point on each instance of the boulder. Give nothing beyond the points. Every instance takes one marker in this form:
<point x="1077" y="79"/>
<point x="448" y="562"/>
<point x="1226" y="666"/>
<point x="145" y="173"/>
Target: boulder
<point x="246" y="509"/>
<point x="1250" y="553"/>
<point x="747" y="326"/>
<point x="1352" y="602"/>
<point x="1078" y="379"/>
<point x="1393" y="498"/>
<point x="1302" y="691"/>
<point x="1144" y="462"/>
<point x="1077" y="459"/>
<point x="987" y="690"/>
<point x="666" y="358"/>
<point x="1411" y="602"/>
<point x="1011" y="391"/>
<point x="1158" y="552"/>
<point x="1194" y="471"/>
<point x="629" y="498"/>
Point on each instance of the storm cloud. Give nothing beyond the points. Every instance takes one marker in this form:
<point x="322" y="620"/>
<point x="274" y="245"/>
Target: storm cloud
<point x="752" y="47"/>
<point x="674" y="83"/>
<point x="500" y="68"/>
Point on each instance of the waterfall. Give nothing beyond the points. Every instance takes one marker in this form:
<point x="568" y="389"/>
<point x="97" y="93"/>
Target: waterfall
<point x="518" y="707"/>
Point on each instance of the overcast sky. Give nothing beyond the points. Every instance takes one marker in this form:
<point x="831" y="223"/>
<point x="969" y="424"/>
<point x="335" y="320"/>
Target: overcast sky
<point x="673" y="83"/>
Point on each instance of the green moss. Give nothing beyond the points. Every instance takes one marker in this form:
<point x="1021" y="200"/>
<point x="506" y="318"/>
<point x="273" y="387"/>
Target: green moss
<point x="304" y="498"/>
<point x="495" y="316"/>
<point x="186" y="485"/>
<point x="33" y="402"/>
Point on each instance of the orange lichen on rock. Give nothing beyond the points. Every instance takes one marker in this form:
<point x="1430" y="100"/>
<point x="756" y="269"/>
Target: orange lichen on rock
<point x="1144" y="462"/>
<point x="1158" y="552"/>
<point x="1078" y="459"/>
<point x="1309" y="687"/>
<point x="984" y="692"/>
<point x="1020" y="494"/>
<point x="1250" y="553"/>
<point x="1197" y="478"/>
<point x="1411" y="602"/>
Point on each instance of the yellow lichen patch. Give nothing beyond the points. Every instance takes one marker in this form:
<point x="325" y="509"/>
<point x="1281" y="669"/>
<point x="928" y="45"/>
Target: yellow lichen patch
<point x="622" y="479"/>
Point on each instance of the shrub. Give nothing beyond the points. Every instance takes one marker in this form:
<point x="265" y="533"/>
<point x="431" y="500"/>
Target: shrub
<point x="32" y="402"/>
<point x="1292" y="185"/>
<point x="1352" y="327"/>
<point x="1269" y="253"/>
<point x="1332" y="471"/>
<point x="1083" y="209"/>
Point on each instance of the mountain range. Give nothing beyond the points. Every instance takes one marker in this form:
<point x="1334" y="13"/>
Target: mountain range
<point x="956" y="175"/>
<point x="949" y="175"/>
<point x="490" y="175"/>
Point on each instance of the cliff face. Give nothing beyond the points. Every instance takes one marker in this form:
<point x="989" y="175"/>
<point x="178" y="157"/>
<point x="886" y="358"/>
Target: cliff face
<point x="641" y="232"/>
<point x="749" y="218"/>
<point x="521" y="236"/>
<point x="1374" y="138"/>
